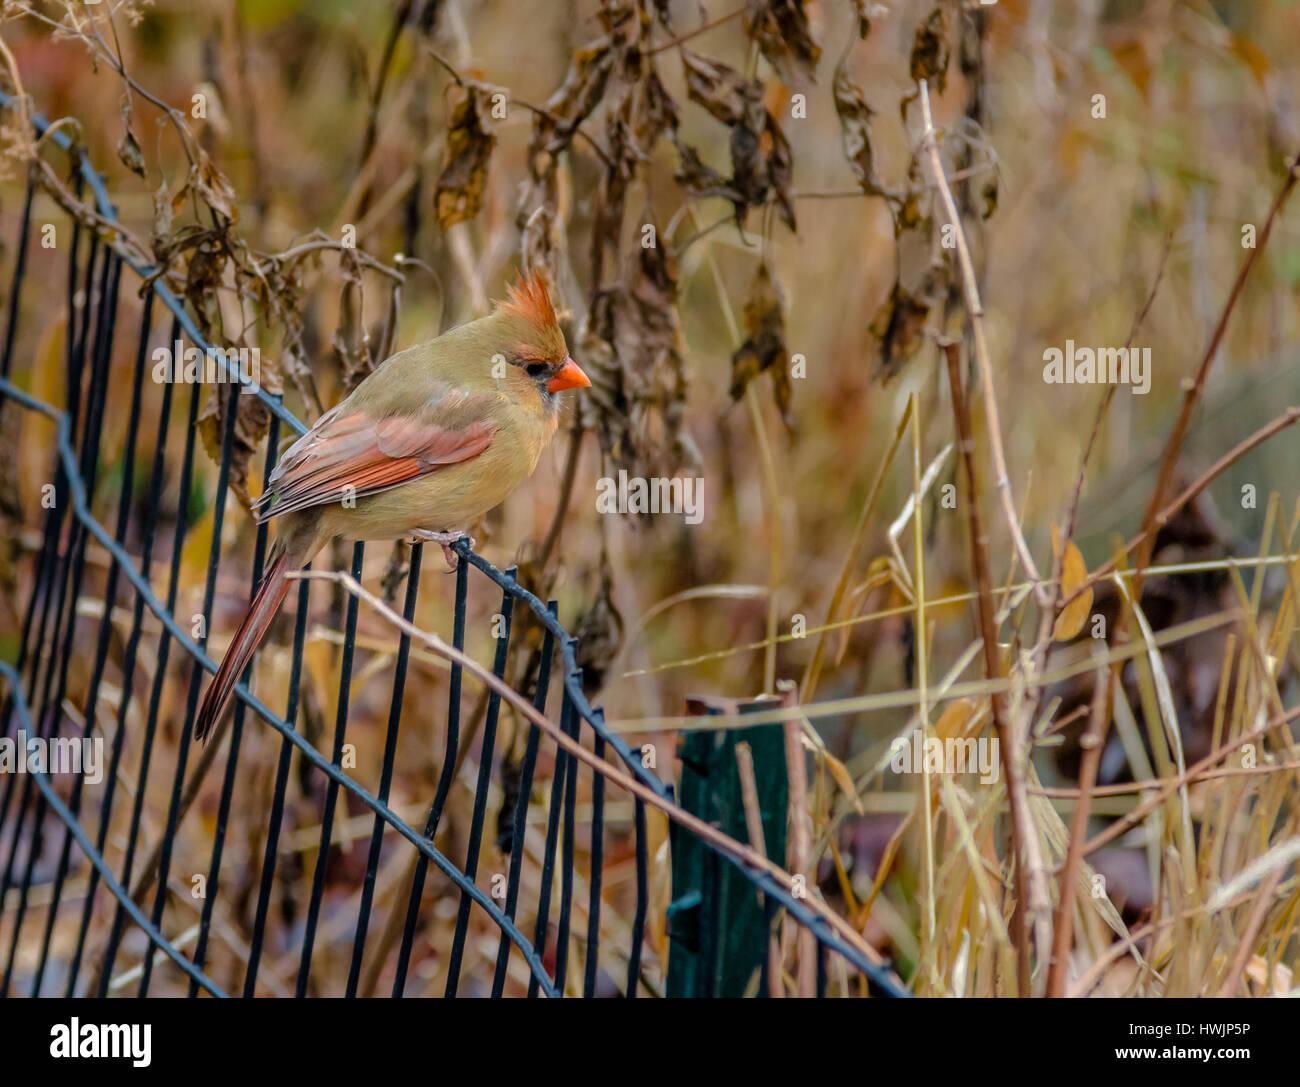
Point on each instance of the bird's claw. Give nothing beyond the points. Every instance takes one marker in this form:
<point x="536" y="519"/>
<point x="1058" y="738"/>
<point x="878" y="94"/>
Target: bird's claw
<point x="443" y="540"/>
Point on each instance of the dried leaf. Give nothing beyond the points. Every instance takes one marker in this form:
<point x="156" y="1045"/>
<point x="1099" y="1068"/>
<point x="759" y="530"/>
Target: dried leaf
<point x="350" y="343"/>
<point x="470" y="140"/>
<point x="1073" y="574"/>
<point x="764" y="347"/>
<point x="864" y="18"/>
<point x="215" y="188"/>
<point x="599" y="631"/>
<point x="632" y="350"/>
<point x="900" y="327"/>
<point x="252" y="421"/>
<point x="569" y="106"/>
<point x="782" y="32"/>
<point x="990" y="195"/>
<point x="699" y="179"/>
<point x="128" y="147"/>
<point x="162" y="218"/>
<point x="780" y="169"/>
<point x="723" y="91"/>
<point x="930" y="52"/>
<point x="203" y="276"/>
<point x="855" y="129"/>
<point x="843" y="779"/>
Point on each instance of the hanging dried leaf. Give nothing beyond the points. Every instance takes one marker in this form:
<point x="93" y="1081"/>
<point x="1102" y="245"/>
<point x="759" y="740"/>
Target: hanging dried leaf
<point x="748" y="175"/>
<point x="781" y="29"/>
<point x="780" y="168"/>
<point x="764" y="347"/>
<point x="698" y="178"/>
<point x="215" y="188"/>
<point x="599" y="631"/>
<point x="855" y="130"/>
<point x="639" y="111"/>
<point x="1073" y="575"/>
<point x="569" y="106"/>
<point x="650" y="111"/>
<point x="930" y="50"/>
<point x="631" y="347"/>
<point x="128" y="147"/>
<point x="900" y="327"/>
<point x="723" y="91"/>
<point x="761" y="162"/>
<point x="864" y="18"/>
<point x="990" y="195"/>
<point x="252" y="421"/>
<point x="162" y="217"/>
<point x="203" y="276"/>
<point x="350" y="343"/>
<point x="470" y="140"/>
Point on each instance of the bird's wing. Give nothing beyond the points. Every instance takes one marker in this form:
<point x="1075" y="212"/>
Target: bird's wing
<point x="350" y="454"/>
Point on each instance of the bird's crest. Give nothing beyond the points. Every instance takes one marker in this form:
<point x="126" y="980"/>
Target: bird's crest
<point x="530" y="301"/>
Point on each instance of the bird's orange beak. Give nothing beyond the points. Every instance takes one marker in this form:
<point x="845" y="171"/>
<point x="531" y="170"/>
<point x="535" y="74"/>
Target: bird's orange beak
<point x="568" y="376"/>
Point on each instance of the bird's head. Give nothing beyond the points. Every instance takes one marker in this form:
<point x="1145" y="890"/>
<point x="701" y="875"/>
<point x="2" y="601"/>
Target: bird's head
<point x="534" y="343"/>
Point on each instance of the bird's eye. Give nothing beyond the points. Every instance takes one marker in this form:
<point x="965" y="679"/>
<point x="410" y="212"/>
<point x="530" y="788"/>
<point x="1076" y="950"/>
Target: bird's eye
<point x="536" y="369"/>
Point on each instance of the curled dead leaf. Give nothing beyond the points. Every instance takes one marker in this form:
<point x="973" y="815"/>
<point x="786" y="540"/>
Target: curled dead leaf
<point x="215" y="188"/>
<point x="764" y="348"/>
<point x="128" y="147"/>
<point x="855" y="129"/>
<point x="470" y="140"/>
<point x="781" y="29"/>
<point x="930" y="52"/>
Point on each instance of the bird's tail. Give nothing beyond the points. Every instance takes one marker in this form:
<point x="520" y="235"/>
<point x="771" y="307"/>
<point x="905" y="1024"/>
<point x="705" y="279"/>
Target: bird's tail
<point x="266" y="602"/>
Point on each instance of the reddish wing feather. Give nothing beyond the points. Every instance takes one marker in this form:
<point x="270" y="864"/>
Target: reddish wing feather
<point x="354" y="451"/>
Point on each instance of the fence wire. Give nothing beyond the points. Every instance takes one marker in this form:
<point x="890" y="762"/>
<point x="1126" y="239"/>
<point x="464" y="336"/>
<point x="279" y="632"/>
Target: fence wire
<point x="41" y="822"/>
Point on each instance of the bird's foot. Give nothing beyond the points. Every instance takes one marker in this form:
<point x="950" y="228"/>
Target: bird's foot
<point x="443" y="540"/>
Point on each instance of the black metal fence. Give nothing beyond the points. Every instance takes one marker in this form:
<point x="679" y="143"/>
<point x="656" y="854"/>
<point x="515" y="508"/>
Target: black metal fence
<point x="50" y="948"/>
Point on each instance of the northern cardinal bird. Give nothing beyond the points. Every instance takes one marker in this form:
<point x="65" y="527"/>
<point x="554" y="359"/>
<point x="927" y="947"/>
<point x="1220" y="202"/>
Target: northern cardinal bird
<point x="434" y="437"/>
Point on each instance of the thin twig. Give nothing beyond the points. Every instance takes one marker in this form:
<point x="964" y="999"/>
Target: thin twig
<point x="697" y="31"/>
<point x="975" y="311"/>
<point x="1173" y="447"/>
<point x="1288" y="418"/>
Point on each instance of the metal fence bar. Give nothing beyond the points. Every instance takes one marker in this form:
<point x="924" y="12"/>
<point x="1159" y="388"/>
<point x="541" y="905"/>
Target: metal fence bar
<point x="386" y="774"/>
<point x="74" y="826"/>
<point x="520" y="822"/>
<point x="597" y="867"/>
<point x="452" y="745"/>
<point x="566" y="870"/>
<point x="236" y="734"/>
<point x="276" y="817"/>
<point x="101" y="646"/>
<point x="332" y="789"/>
<point x="481" y="792"/>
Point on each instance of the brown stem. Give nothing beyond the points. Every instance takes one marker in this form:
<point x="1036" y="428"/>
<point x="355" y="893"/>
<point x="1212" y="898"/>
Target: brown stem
<point x="1093" y="743"/>
<point x="993" y="668"/>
